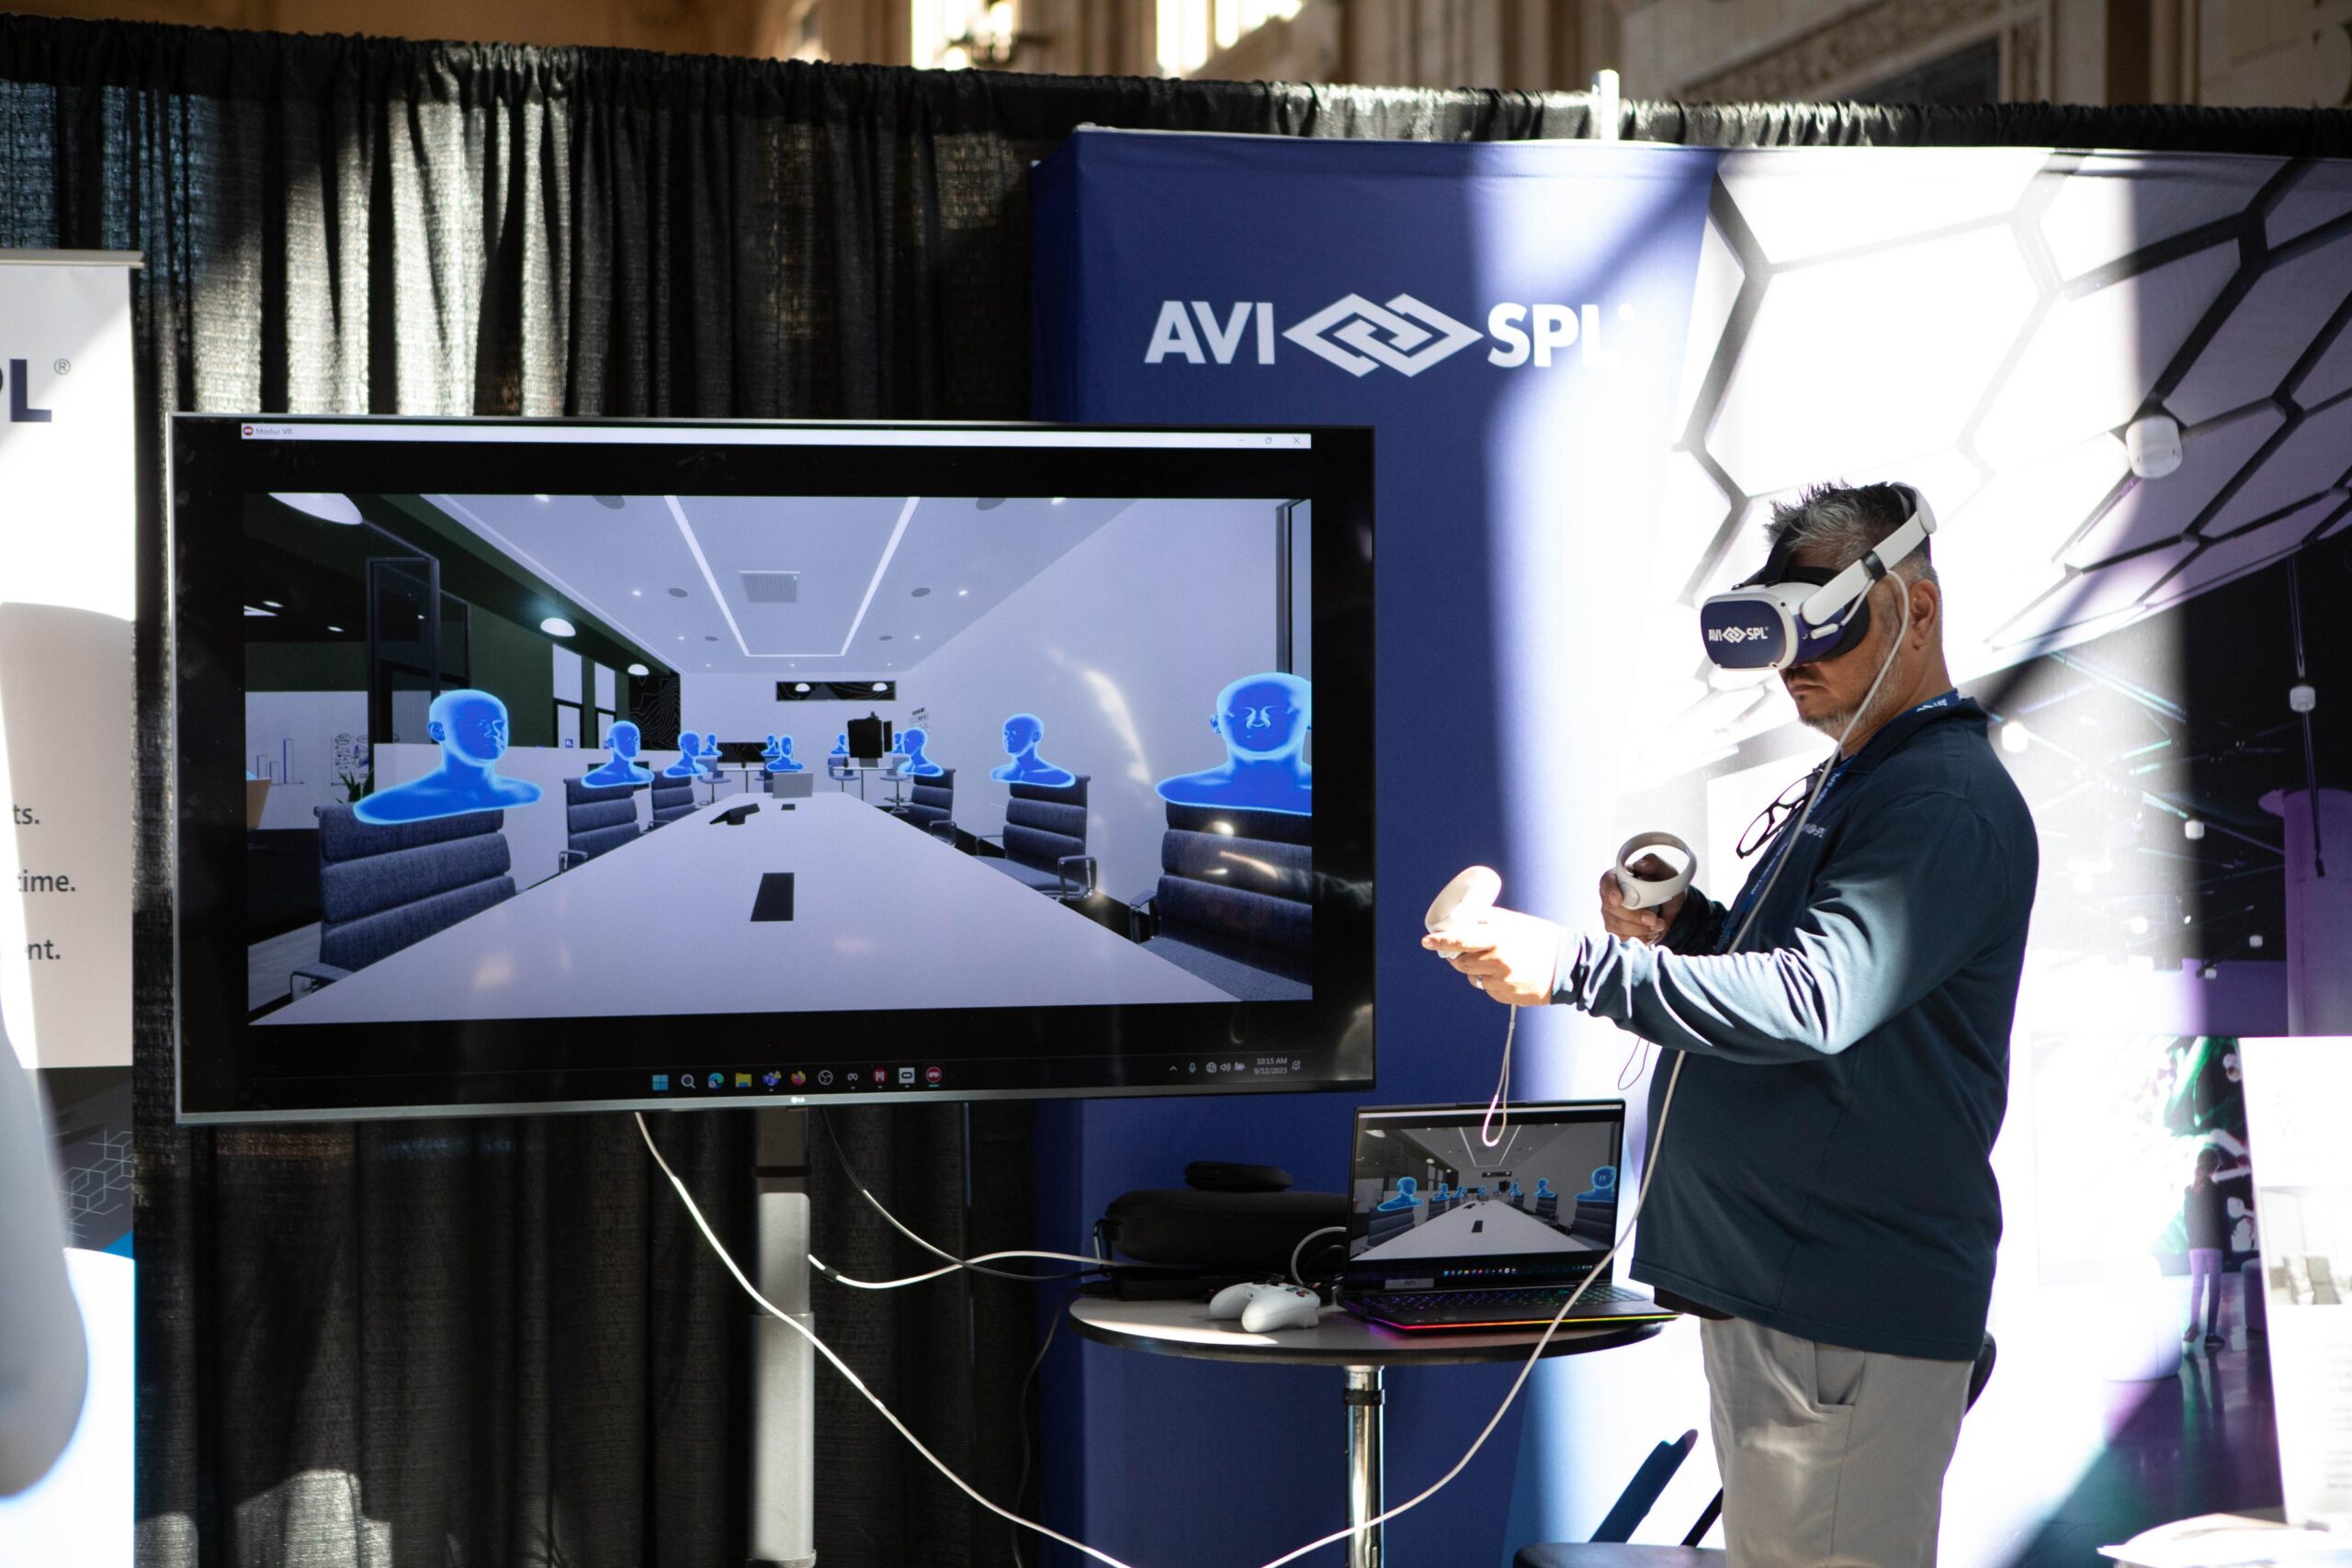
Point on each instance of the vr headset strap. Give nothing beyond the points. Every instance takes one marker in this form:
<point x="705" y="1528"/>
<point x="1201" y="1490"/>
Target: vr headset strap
<point x="1837" y="596"/>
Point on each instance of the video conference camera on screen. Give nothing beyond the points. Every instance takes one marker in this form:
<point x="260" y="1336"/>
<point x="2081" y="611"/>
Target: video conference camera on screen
<point x="532" y="765"/>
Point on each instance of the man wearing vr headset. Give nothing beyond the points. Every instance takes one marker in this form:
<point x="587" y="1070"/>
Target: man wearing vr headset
<point x="1825" y="1197"/>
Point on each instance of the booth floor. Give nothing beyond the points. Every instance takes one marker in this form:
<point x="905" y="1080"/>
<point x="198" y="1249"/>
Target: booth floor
<point x="2201" y="1442"/>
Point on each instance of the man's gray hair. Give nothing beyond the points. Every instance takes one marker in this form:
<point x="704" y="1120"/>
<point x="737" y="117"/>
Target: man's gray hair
<point x="1836" y="525"/>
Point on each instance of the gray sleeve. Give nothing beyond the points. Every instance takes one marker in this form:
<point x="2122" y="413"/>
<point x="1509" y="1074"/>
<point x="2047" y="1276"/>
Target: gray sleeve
<point x="43" y="1360"/>
<point x="1903" y="902"/>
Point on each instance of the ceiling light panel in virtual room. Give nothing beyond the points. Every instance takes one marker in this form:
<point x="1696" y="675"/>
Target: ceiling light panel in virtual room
<point x="761" y="582"/>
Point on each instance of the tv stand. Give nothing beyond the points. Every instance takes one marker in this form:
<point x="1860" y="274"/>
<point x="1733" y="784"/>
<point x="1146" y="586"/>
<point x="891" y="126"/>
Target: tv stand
<point x="783" y="1364"/>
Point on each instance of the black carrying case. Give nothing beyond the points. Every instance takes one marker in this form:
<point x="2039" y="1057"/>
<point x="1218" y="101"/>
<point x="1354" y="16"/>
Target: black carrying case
<point x="1220" y="1233"/>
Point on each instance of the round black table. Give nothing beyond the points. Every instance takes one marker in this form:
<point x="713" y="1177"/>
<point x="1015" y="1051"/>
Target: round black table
<point x="1363" y="1349"/>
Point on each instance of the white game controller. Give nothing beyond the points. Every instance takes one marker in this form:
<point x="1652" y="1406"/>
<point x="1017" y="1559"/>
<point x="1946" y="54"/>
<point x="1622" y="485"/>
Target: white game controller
<point x="1640" y="892"/>
<point x="1465" y="897"/>
<point x="1261" y="1308"/>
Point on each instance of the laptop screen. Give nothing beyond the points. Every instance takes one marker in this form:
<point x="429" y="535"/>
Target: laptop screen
<point x="1432" y="1207"/>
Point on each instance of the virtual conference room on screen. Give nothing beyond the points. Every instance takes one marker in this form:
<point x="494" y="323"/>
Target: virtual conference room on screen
<point x="525" y="756"/>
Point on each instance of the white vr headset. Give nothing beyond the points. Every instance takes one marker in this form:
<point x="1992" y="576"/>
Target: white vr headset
<point x="1795" y="614"/>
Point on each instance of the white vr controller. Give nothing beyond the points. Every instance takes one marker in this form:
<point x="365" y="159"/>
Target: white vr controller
<point x="1465" y="897"/>
<point x="1473" y="893"/>
<point x="1640" y="892"/>
<point x="1263" y="1308"/>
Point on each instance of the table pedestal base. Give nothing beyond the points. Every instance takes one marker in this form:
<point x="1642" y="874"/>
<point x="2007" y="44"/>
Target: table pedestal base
<point x="1366" y="1482"/>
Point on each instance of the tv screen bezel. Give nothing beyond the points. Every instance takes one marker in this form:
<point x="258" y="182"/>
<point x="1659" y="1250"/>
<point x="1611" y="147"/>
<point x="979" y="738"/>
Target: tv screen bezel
<point x="227" y="1074"/>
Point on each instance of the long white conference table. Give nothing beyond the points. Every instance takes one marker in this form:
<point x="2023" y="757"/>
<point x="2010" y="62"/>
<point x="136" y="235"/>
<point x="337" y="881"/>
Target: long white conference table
<point x="883" y="916"/>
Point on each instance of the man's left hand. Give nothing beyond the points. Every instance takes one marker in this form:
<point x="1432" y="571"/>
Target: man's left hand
<point x="1511" y="956"/>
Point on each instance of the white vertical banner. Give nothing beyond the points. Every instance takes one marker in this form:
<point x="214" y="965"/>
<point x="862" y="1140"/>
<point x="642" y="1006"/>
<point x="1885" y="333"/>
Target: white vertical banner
<point x="68" y="504"/>
<point x="2297" y="1094"/>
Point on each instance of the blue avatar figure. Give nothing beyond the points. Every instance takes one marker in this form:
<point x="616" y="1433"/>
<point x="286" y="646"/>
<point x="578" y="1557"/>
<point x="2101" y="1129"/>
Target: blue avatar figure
<point x="689" y="763"/>
<point x="471" y="726"/>
<point x="1543" y="1189"/>
<point x="840" y="744"/>
<point x="917" y="765"/>
<point x="1021" y="733"/>
<point x="1517" y="1195"/>
<point x="1406" y="1190"/>
<point x="622" y="772"/>
<point x="1264" y="719"/>
<point x="1604" y="1186"/>
<point x="778" y="756"/>
<point x="708" y="761"/>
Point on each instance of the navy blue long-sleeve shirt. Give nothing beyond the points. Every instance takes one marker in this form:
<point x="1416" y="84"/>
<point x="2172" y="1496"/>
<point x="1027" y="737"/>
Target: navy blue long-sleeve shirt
<point x="1826" y="1166"/>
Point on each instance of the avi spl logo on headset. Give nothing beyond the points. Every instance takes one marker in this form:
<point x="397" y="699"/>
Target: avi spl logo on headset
<point x="1738" y="634"/>
<point x="1358" y="336"/>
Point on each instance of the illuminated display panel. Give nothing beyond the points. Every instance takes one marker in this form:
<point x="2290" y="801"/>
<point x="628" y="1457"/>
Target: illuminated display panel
<point x="603" y="765"/>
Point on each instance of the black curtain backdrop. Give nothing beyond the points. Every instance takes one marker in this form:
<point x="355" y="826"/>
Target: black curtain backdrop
<point x="491" y="1342"/>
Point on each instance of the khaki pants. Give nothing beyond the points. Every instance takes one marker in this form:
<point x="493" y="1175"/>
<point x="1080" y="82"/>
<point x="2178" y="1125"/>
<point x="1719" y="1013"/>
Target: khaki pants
<point x="1829" y="1456"/>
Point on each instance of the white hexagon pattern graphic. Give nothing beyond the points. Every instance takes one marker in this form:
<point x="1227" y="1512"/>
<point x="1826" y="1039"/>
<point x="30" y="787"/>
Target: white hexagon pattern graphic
<point x="1986" y="330"/>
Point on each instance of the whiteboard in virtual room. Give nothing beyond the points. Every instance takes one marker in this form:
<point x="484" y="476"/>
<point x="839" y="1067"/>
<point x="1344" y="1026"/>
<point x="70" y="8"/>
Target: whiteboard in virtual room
<point x="304" y="743"/>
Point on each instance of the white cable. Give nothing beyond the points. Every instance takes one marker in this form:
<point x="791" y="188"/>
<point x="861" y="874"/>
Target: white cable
<point x="842" y="1367"/>
<point x="960" y="1265"/>
<point x="1310" y="1236"/>
<point x="937" y="1251"/>
<point x="1501" y="1100"/>
<point x="955" y="1263"/>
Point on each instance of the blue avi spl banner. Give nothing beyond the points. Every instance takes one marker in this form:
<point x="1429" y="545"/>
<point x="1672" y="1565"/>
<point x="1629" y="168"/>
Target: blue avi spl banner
<point x="1511" y="319"/>
<point x="2124" y="383"/>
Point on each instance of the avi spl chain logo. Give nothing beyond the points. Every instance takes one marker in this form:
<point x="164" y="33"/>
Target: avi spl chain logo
<point x="1358" y="335"/>
<point x="1738" y="634"/>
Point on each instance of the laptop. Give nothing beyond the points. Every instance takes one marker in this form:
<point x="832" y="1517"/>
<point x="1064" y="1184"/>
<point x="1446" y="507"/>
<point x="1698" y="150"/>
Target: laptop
<point x="1447" y="1234"/>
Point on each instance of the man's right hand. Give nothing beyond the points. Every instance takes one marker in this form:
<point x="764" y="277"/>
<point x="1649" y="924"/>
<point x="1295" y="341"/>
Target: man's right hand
<point x="1638" y="925"/>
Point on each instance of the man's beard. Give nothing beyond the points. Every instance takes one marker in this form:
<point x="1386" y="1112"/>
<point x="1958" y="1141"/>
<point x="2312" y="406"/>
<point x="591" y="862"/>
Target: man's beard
<point x="1881" y="707"/>
<point x="1833" y="725"/>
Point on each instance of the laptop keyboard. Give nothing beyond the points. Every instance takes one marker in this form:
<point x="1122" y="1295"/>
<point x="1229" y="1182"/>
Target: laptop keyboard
<point x="1430" y="1309"/>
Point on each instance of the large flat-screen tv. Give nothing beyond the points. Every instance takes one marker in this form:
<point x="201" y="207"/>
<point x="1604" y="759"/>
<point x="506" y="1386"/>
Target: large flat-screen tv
<point x="465" y="709"/>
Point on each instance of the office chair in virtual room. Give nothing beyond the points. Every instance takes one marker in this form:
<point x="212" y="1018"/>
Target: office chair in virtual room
<point x="1235" y="900"/>
<point x="595" y="820"/>
<point x="382" y="888"/>
<point x="672" y="798"/>
<point x="931" y="806"/>
<point x="1045" y="840"/>
<point x="1609" y="1547"/>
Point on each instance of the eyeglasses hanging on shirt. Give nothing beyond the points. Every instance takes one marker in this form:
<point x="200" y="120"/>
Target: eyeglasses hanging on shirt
<point x="1768" y="823"/>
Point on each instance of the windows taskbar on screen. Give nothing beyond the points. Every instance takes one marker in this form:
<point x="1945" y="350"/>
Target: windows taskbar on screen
<point x="690" y="1083"/>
